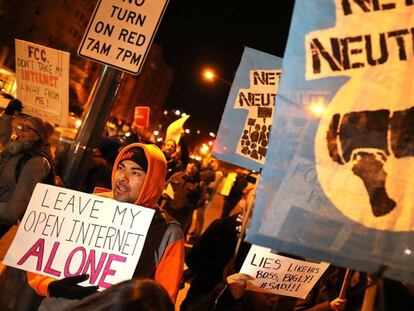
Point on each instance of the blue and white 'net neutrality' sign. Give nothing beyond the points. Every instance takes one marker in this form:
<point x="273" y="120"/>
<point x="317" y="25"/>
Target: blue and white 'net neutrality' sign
<point x="243" y="136"/>
<point x="338" y="182"/>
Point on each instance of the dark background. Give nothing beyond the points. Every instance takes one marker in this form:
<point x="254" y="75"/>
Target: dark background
<point x="199" y="33"/>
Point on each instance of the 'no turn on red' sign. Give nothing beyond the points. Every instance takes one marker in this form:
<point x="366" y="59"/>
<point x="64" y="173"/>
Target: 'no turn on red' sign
<point x="120" y="32"/>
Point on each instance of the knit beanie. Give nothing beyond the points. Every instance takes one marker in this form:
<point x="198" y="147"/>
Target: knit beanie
<point x="138" y="156"/>
<point x="43" y="128"/>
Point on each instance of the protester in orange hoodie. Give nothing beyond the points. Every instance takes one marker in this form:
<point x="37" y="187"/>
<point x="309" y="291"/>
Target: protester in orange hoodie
<point x="137" y="177"/>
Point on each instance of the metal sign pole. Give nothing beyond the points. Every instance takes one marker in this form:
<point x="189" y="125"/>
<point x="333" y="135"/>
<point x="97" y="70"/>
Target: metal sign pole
<point x="101" y="100"/>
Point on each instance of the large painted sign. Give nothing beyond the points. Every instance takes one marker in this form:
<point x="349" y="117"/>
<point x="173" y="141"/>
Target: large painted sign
<point x="243" y="136"/>
<point x="337" y="183"/>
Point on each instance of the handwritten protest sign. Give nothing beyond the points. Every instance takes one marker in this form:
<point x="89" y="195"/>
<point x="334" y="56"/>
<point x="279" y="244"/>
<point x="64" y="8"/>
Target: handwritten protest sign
<point x="243" y="136"/>
<point x="336" y="185"/>
<point x="65" y="233"/>
<point x="42" y="77"/>
<point x="281" y="275"/>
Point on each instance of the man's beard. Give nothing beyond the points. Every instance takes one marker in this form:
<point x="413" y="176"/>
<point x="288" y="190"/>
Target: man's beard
<point x="16" y="147"/>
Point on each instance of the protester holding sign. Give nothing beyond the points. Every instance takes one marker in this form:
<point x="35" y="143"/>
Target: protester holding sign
<point x="177" y="155"/>
<point x="169" y="148"/>
<point x="24" y="162"/>
<point x="209" y="256"/>
<point x="138" y="178"/>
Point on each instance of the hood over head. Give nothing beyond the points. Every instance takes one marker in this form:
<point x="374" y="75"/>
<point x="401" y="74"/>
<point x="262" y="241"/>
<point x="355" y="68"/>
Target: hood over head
<point x="154" y="180"/>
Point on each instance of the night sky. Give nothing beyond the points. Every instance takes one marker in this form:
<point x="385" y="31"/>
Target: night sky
<point x="199" y="33"/>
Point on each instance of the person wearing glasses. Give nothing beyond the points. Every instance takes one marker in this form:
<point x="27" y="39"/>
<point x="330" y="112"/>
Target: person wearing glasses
<point x="25" y="160"/>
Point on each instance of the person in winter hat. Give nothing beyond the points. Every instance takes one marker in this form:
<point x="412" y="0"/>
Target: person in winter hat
<point x="24" y="161"/>
<point x="138" y="177"/>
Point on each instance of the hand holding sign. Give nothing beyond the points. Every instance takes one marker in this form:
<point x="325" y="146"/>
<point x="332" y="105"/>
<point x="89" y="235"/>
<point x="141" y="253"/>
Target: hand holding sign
<point x="69" y="288"/>
<point x="238" y="283"/>
<point x="338" y="304"/>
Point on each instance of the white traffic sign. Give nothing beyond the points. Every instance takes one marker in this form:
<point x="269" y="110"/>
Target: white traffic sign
<point x="120" y="33"/>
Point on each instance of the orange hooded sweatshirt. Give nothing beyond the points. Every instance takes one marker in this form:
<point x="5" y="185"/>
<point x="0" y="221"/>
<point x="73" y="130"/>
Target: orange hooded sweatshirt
<point x="162" y="257"/>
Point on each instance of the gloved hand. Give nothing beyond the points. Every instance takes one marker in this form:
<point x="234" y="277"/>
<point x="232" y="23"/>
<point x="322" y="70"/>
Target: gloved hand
<point x="13" y="106"/>
<point x="68" y="288"/>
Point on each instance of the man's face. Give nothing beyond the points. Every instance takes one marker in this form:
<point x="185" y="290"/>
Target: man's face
<point x="25" y="132"/>
<point x="191" y="169"/>
<point x="129" y="178"/>
<point x="168" y="148"/>
<point x="213" y="164"/>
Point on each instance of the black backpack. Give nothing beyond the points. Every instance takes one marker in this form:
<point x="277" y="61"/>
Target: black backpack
<point x="49" y="179"/>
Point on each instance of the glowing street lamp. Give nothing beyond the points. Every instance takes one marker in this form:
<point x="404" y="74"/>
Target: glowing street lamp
<point x="210" y="76"/>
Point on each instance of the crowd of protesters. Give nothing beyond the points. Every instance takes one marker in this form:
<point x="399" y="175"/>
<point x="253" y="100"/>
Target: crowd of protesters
<point x="180" y="190"/>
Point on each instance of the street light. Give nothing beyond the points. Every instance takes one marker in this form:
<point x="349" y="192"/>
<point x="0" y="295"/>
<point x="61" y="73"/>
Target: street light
<point x="209" y="75"/>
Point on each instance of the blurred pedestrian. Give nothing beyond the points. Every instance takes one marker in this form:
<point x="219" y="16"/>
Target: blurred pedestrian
<point x="212" y="176"/>
<point x="236" y="193"/>
<point x="24" y="161"/>
<point x="189" y="194"/>
<point x="100" y="168"/>
<point x="171" y="153"/>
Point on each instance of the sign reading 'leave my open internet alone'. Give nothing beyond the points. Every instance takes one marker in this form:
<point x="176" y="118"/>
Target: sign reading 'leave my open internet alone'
<point x="120" y="32"/>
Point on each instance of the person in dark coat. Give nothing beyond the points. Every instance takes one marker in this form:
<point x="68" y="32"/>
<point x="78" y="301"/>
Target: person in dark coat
<point x="24" y="161"/>
<point x="236" y="193"/>
<point x="189" y="194"/>
<point x="169" y="149"/>
<point x="100" y="169"/>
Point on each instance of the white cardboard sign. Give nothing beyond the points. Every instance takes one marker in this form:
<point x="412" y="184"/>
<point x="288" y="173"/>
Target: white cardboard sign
<point x="42" y="76"/>
<point x="120" y="33"/>
<point x="66" y="233"/>
<point x="281" y="275"/>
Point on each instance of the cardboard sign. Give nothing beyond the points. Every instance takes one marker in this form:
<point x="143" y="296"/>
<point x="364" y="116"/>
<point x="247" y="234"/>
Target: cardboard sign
<point x="42" y="77"/>
<point x="66" y="233"/>
<point x="337" y="184"/>
<point x="120" y="33"/>
<point x="141" y="116"/>
<point x="259" y="101"/>
<point x="243" y="136"/>
<point x="281" y="275"/>
<point x="175" y="129"/>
